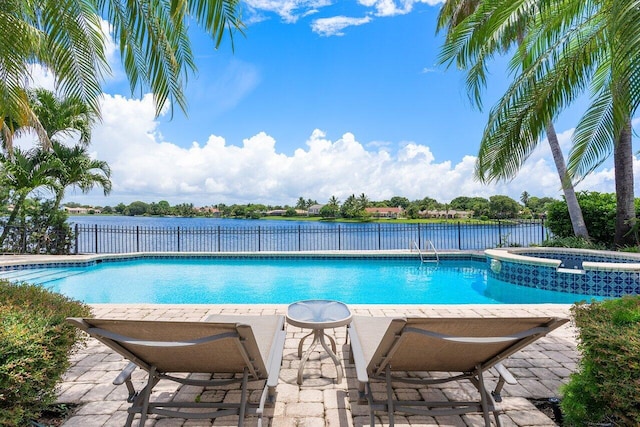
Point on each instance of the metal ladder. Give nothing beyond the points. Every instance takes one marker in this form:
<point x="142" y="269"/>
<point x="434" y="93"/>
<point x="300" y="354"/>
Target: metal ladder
<point x="429" y="243"/>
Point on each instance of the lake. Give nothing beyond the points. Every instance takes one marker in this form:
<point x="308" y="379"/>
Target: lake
<point x="118" y="234"/>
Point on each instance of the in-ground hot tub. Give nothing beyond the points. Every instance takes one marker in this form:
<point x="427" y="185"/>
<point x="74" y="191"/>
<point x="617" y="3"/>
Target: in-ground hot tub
<point x="580" y="271"/>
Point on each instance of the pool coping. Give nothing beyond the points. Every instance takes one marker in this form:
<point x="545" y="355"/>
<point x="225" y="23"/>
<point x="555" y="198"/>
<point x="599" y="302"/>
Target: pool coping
<point x="12" y="261"/>
<point x="512" y="255"/>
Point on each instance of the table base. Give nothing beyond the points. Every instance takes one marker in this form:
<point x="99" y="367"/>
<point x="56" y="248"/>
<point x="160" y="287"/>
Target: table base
<point x="319" y="337"/>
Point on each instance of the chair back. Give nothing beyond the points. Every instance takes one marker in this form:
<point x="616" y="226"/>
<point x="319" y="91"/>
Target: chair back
<point x="455" y="344"/>
<point x="172" y="346"/>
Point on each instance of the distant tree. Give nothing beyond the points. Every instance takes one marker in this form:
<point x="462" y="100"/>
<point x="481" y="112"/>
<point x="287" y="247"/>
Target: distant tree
<point x="163" y="207"/>
<point x="524" y="198"/>
<point x="538" y="205"/>
<point x="329" y="211"/>
<point x="461" y="203"/>
<point x="290" y="212"/>
<point x="301" y="203"/>
<point x="136" y="208"/>
<point x="120" y="208"/>
<point x="107" y="210"/>
<point x="350" y="208"/>
<point x="412" y="211"/>
<point x="363" y="202"/>
<point x="310" y="202"/>
<point x="184" y="210"/>
<point x="503" y="207"/>
<point x="238" y="211"/>
<point x="396" y="201"/>
<point x="428" y="204"/>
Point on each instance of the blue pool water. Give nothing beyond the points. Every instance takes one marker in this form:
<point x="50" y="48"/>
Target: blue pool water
<point x="282" y="281"/>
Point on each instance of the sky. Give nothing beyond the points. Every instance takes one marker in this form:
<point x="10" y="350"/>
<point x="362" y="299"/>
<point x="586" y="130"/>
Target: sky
<point x="318" y="98"/>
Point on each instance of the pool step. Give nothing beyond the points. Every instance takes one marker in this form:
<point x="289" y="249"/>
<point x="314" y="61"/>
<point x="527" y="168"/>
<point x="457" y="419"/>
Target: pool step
<point x="38" y="276"/>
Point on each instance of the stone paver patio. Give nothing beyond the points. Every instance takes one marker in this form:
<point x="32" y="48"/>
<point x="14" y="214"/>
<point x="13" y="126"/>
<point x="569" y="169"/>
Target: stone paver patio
<point x="540" y="368"/>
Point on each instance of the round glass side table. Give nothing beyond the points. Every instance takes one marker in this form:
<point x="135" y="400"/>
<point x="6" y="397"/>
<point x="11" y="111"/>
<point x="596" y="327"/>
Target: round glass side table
<point x="318" y="315"/>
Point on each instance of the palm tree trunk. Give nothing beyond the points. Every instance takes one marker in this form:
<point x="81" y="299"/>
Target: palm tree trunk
<point x="575" y="213"/>
<point x="12" y="217"/>
<point x="625" y="212"/>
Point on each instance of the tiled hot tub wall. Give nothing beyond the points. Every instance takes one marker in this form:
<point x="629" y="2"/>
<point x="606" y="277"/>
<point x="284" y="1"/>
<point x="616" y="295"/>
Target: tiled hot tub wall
<point x="605" y="274"/>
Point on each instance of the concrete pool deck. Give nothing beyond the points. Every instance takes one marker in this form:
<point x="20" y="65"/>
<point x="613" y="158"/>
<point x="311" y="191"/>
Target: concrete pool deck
<point x="540" y="369"/>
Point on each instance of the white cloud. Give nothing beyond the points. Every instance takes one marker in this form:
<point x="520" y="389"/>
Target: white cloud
<point x="144" y="167"/>
<point x="288" y="10"/>
<point x="334" y="26"/>
<point x="393" y="7"/>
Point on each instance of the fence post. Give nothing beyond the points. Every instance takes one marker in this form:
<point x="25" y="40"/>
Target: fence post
<point x="299" y="238"/>
<point x="96" y="236"/>
<point x="541" y="230"/>
<point x="137" y="238"/>
<point x="24" y="240"/>
<point x="76" y="238"/>
<point x="419" y="238"/>
<point x="379" y="238"/>
<point x="219" y="240"/>
<point x="178" y="239"/>
<point x="339" y="239"/>
<point x="459" y="236"/>
<point x="499" y="234"/>
<point x="259" y="239"/>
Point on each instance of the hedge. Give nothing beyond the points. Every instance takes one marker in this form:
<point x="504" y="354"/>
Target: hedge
<point x="606" y="386"/>
<point x="35" y="345"/>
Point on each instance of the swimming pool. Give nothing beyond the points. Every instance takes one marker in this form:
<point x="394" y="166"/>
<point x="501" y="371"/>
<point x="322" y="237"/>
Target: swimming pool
<point x="259" y="280"/>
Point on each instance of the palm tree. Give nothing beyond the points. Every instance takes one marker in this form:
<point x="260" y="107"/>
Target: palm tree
<point x="61" y="116"/>
<point x="301" y="204"/>
<point x="24" y="172"/>
<point x="363" y="202"/>
<point x="65" y="36"/>
<point x="77" y="168"/>
<point x="573" y="45"/>
<point x="473" y="35"/>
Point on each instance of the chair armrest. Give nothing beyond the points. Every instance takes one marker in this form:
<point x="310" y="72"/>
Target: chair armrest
<point x="125" y="375"/>
<point x="504" y="373"/>
<point x="505" y="377"/>
<point x="275" y="358"/>
<point x="357" y="355"/>
<point x="276" y="361"/>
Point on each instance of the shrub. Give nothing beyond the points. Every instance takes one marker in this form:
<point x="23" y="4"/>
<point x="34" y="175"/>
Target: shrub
<point x="607" y="384"/>
<point x="35" y="344"/>
<point x="598" y="210"/>
<point x="572" y="242"/>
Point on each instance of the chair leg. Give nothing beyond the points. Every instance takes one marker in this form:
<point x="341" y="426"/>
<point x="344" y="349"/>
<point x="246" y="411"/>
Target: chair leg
<point x="146" y="395"/>
<point x="243" y="398"/>
<point x="390" y="405"/>
<point x="372" y="414"/>
<point x="483" y="397"/>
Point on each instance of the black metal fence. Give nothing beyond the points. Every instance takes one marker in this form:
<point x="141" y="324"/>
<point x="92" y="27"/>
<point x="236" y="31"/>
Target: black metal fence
<point x="374" y="236"/>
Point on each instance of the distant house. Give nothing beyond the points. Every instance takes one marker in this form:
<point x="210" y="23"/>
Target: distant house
<point x="314" y="210"/>
<point x="81" y="211"/>
<point x="277" y="212"/>
<point x="446" y="214"/>
<point x="214" y="212"/>
<point x="385" y="212"/>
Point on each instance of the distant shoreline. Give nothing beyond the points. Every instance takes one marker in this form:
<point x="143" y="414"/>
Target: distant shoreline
<point x="313" y="219"/>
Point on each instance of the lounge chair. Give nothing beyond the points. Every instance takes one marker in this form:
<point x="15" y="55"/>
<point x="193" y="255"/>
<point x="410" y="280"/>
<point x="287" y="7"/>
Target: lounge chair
<point x="461" y="348"/>
<point x="249" y="346"/>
